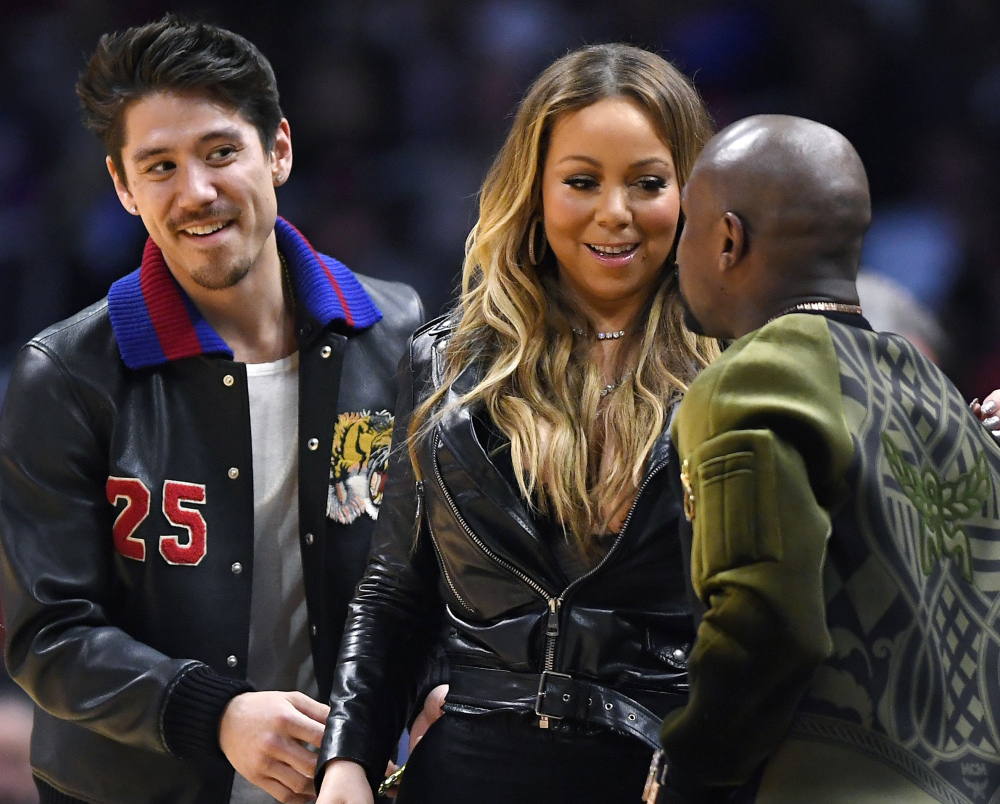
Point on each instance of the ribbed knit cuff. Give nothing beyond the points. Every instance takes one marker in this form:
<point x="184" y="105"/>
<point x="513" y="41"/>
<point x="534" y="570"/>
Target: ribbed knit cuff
<point x="193" y="710"/>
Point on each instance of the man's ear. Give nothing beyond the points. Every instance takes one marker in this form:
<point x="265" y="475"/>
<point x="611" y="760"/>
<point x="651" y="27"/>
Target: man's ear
<point x="121" y="188"/>
<point x="735" y="247"/>
<point x="281" y="154"/>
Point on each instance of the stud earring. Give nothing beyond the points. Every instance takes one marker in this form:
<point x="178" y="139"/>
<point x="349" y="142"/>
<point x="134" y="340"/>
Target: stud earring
<point x="134" y="210"/>
<point x="279" y="178"/>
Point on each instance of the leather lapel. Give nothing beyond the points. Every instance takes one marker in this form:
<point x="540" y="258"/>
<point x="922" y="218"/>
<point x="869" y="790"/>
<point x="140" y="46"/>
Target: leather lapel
<point x="495" y="511"/>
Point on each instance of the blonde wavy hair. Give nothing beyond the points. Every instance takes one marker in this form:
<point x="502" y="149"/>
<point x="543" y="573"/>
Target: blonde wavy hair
<point x="515" y="323"/>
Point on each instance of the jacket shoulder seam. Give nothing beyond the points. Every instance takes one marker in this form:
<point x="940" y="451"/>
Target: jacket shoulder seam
<point x="68" y="323"/>
<point x="59" y="364"/>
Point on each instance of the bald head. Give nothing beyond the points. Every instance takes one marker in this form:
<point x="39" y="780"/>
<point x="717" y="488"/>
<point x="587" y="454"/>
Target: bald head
<point x="792" y="178"/>
<point x="791" y="196"/>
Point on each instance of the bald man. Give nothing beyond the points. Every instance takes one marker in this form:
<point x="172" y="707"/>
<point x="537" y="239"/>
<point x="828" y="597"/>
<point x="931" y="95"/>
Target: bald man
<point x="843" y="505"/>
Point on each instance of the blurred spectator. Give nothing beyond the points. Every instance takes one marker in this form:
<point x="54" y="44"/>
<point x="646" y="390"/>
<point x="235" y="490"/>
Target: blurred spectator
<point x="401" y="103"/>
<point x="915" y="246"/>
<point x="16" y="785"/>
<point x="889" y="307"/>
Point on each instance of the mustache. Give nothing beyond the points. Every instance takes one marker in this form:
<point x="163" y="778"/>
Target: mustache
<point x="217" y="210"/>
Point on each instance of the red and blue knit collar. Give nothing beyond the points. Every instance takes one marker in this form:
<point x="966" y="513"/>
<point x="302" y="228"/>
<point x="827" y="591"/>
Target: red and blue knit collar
<point x="155" y="321"/>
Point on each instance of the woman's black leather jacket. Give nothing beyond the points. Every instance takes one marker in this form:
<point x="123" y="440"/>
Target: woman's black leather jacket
<point x="456" y="551"/>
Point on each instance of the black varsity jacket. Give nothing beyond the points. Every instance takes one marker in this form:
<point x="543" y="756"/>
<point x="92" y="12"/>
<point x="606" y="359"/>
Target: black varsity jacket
<point x="126" y="517"/>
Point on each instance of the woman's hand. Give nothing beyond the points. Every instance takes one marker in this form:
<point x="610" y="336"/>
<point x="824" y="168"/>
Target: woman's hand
<point x="988" y="413"/>
<point x="430" y="712"/>
<point x="345" y="783"/>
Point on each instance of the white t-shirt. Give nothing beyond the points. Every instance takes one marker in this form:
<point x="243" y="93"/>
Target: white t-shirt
<point x="280" y="657"/>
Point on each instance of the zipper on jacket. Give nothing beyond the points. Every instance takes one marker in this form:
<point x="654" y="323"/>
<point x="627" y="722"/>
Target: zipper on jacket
<point x="551" y="635"/>
<point x="554" y="603"/>
<point x="513" y="570"/>
<point x="437" y="552"/>
<point x="628" y="518"/>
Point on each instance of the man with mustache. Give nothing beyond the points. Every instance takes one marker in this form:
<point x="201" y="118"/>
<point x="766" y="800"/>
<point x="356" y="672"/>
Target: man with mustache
<point x="182" y="518"/>
<point x="843" y="502"/>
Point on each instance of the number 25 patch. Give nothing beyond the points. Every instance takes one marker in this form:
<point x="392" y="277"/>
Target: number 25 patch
<point x="178" y="497"/>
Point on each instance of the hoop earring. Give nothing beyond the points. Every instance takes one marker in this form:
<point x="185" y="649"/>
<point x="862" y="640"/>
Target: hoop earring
<point x="532" y="257"/>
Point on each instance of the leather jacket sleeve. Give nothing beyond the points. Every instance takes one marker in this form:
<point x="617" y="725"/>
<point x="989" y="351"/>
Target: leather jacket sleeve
<point x="57" y="575"/>
<point x="393" y="619"/>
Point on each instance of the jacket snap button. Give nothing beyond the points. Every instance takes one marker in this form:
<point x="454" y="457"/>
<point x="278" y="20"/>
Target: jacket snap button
<point x="326" y="351"/>
<point x="313" y="443"/>
<point x="228" y="380"/>
<point x="679" y="655"/>
<point x="565" y="696"/>
<point x="231" y="661"/>
<point x="608" y="706"/>
<point x="309" y="538"/>
<point x="233" y="473"/>
<point x="237" y="568"/>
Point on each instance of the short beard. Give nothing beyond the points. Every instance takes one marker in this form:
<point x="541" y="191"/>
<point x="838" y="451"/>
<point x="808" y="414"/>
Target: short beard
<point x="212" y="280"/>
<point x="690" y="321"/>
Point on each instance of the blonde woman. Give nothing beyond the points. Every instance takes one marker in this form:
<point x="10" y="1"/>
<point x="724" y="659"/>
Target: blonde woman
<point x="532" y="521"/>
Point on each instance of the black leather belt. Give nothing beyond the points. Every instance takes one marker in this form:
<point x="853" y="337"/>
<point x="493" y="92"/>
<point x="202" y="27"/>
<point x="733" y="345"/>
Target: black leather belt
<point x="558" y="696"/>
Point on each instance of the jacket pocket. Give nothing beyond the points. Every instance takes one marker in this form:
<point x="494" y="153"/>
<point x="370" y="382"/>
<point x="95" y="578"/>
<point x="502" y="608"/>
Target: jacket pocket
<point x="733" y="525"/>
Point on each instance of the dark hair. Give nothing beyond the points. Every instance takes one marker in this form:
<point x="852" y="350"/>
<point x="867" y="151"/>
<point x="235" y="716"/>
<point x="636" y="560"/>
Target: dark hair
<point x="175" y="54"/>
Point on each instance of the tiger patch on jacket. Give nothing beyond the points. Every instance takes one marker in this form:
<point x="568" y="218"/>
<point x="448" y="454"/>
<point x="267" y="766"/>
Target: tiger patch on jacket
<point x="358" y="462"/>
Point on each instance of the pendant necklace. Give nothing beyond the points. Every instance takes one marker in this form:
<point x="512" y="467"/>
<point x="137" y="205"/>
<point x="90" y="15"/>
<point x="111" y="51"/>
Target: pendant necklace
<point x="607" y="389"/>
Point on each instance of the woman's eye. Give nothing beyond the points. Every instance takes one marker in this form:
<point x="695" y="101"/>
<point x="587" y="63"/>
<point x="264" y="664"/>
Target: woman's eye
<point x="580" y="182"/>
<point x="652" y="183"/>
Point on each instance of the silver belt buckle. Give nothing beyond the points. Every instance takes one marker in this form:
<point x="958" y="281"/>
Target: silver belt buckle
<point x="543" y="719"/>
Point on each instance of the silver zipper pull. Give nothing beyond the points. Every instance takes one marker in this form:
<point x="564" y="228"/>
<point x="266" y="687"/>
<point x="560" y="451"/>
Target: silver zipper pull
<point x="552" y="628"/>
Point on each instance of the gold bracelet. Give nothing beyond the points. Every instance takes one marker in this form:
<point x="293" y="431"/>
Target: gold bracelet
<point x="392" y="780"/>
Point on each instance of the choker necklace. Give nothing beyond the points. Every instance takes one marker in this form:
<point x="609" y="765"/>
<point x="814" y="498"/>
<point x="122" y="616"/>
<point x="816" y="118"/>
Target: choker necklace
<point x="823" y="307"/>
<point x="601" y="336"/>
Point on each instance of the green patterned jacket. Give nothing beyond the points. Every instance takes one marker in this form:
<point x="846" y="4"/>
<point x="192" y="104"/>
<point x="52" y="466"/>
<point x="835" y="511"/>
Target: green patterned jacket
<point x="846" y="541"/>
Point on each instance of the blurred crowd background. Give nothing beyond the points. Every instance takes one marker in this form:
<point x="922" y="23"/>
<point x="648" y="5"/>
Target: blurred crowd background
<point x="396" y="107"/>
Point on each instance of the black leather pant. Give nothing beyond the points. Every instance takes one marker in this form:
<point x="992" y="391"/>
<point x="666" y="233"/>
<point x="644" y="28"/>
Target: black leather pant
<point x="504" y="758"/>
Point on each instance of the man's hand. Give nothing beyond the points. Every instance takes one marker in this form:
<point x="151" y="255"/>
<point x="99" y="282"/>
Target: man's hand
<point x="261" y="734"/>
<point x="344" y="783"/>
